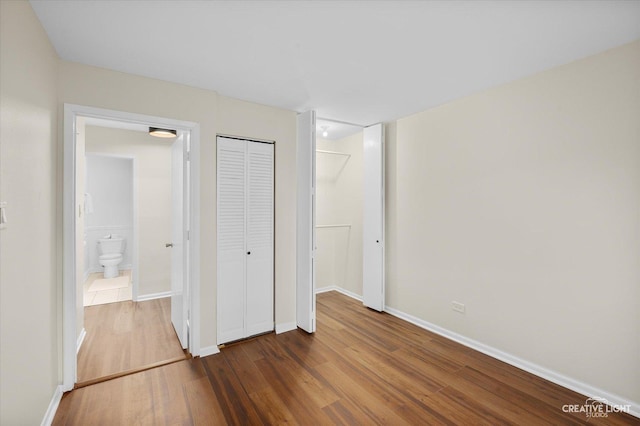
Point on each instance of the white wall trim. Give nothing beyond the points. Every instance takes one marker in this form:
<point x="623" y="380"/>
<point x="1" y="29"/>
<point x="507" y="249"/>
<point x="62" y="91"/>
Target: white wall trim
<point x="545" y="373"/>
<point x="152" y="296"/>
<point x="286" y="326"/>
<point x="101" y="270"/>
<point x="50" y="414"/>
<point x="209" y="350"/>
<point x="339" y="290"/>
<point x="326" y="289"/>
<point x="83" y="334"/>
<point x="349" y="293"/>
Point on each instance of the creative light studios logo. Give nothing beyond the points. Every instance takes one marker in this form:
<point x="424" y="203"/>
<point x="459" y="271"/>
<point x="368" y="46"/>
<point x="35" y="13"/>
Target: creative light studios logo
<point x="596" y="407"/>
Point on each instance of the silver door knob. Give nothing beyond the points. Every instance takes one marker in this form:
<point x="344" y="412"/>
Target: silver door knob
<point x="168" y="245"/>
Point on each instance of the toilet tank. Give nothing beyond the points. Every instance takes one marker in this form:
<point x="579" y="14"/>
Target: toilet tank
<point x="111" y="244"/>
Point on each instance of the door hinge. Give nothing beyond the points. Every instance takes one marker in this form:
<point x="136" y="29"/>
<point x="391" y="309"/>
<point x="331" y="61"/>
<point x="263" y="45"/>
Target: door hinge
<point x="188" y="235"/>
<point x="188" y="155"/>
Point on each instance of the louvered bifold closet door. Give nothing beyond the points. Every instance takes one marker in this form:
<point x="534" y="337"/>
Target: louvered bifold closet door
<point x="259" y="317"/>
<point x="245" y="238"/>
<point x="231" y="178"/>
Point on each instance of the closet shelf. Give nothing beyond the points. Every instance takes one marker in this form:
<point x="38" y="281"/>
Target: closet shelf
<point x="332" y="152"/>
<point x="342" y="225"/>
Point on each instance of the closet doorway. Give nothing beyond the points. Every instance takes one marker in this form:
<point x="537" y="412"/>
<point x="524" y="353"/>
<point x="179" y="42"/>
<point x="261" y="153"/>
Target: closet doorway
<point x="346" y="227"/>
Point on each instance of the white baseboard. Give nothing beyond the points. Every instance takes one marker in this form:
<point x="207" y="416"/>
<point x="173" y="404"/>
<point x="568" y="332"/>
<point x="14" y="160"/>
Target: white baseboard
<point x="151" y="296"/>
<point x="53" y="407"/>
<point x="349" y="293"/>
<point x="326" y="289"/>
<point x="284" y="327"/>
<point x="209" y="350"/>
<point x="339" y="290"/>
<point x="550" y="375"/>
<point x="83" y="334"/>
<point x="95" y="269"/>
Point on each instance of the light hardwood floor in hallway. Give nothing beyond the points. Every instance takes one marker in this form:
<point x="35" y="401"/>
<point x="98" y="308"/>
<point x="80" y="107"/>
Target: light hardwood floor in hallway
<point x="360" y="368"/>
<point x="126" y="336"/>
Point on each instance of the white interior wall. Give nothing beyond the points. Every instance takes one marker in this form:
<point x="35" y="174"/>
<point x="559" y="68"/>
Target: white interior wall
<point x="109" y="185"/>
<point x="523" y="203"/>
<point x="153" y="186"/>
<point x="339" y="202"/>
<point x="29" y="263"/>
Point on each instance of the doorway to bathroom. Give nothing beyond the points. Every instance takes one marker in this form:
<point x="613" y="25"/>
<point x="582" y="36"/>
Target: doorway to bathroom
<point x="128" y="217"/>
<point x="110" y="202"/>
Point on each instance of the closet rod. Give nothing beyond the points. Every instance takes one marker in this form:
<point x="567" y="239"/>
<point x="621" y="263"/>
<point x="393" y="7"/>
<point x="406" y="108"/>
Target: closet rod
<point x="332" y="152"/>
<point x="344" y="225"/>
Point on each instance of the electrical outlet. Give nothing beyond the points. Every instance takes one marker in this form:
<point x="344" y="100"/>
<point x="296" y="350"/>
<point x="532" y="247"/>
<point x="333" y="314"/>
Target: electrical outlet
<point x="457" y="306"/>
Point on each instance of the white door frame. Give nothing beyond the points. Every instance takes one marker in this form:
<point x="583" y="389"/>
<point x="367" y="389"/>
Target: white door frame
<point x="306" y="222"/>
<point x="71" y="112"/>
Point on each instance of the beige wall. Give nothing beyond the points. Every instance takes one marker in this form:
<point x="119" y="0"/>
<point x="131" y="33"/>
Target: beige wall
<point x="246" y="119"/>
<point x="523" y="202"/>
<point x="339" y="201"/>
<point x="29" y="333"/>
<point x="153" y="176"/>
<point x="96" y="87"/>
<point x="34" y="86"/>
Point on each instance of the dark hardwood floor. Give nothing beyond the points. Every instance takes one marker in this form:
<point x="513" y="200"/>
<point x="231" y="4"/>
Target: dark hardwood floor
<point x="126" y="336"/>
<point x="361" y="367"/>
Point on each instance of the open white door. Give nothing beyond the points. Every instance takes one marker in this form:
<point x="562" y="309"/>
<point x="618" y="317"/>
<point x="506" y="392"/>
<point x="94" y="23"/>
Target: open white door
<point x="306" y="222"/>
<point x="373" y="220"/>
<point x="178" y="244"/>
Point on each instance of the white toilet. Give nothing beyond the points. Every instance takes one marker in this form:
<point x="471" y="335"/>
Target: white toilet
<point x="110" y="250"/>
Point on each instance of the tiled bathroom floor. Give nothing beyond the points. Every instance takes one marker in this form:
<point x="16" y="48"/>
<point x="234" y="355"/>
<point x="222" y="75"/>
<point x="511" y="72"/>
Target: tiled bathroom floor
<point x="106" y="296"/>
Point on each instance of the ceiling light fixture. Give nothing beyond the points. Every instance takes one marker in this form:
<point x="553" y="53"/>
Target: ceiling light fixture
<point x="325" y="133"/>
<point x="162" y="133"/>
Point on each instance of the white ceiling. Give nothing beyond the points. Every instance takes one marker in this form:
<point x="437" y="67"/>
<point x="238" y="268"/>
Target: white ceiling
<point x="335" y="129"/>
<point x="355" y="61"/>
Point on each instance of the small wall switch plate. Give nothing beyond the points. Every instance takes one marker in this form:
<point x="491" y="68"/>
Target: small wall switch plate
<point x="457" y="306"/>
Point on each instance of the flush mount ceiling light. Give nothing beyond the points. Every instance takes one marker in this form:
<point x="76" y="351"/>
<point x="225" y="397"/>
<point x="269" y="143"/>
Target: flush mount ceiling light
<point x="325" y="132"/>
<point x="162" y="133"/>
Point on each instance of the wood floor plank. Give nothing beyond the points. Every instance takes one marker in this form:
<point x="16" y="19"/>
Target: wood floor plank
<point x="234" y="400"/>
<point x="126" y="336"/>
<point x="246" y="370"/>
<point x="298" y="402"/>
<point x="271" y="408"/>
<point x="498" y="401"/>
<point x="293" y="375"/>
<point x="204" y="408"/>
<point x="462" y="409"/>
<point x="370" y="407"/>
<point x="360" y="367"/>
